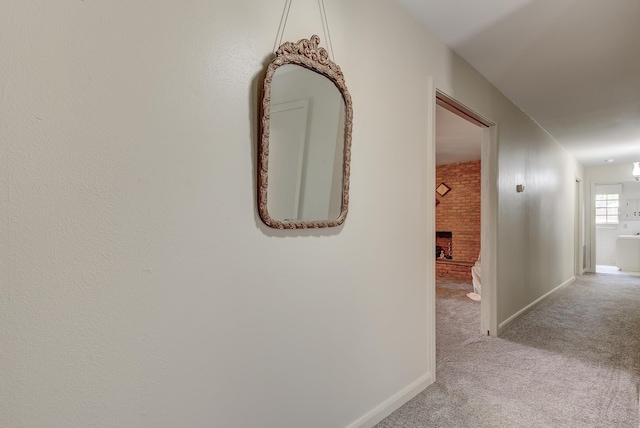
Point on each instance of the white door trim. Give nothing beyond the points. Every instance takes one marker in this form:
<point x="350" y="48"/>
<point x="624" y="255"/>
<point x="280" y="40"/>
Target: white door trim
<point x="488" y="209"/>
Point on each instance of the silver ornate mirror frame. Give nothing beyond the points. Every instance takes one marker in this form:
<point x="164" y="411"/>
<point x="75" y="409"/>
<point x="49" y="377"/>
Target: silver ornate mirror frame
<point x="307" y="54"/>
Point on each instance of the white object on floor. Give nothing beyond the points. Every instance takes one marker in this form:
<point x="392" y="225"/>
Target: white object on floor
<point x="628" y="253"/>
<point x="473" y="296"/>
<point x="475" y="275"/>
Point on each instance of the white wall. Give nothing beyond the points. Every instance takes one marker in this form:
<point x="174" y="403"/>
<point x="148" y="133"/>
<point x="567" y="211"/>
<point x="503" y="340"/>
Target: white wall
<point x="601" y="241"/>
<point x="606" y="244"/>
<point x="537" y="230"/>
<point x="138" y="285"/>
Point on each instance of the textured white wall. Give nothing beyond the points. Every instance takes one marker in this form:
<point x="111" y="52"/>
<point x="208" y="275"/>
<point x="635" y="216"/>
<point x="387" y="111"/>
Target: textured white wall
<point x="537" y="227"/>
<point x="138" y="285"/>
<point x="606" y="245"/>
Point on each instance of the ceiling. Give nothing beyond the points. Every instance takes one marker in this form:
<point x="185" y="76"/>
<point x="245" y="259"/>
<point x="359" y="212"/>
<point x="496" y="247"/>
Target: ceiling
<point x="457" y="139"/>
<point x="571" y="65"/>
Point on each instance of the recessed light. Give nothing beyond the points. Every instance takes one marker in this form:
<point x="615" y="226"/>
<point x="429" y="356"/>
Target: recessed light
<point x="609" y="160"/>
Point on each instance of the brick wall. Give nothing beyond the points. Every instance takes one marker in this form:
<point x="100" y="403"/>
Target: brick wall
<point x="459" y="212"/>
<point x="453" y="271"/>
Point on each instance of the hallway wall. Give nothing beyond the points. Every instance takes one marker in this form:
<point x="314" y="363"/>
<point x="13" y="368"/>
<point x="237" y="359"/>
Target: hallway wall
<point x="138" y="285"/>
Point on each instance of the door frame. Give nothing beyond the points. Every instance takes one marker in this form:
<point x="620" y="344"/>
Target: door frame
<point x="578" y="228"/>
<point x="488" y="206"/>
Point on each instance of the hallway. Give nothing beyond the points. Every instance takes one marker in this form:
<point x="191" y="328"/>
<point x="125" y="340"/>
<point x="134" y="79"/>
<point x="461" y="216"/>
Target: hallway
<point x="573" y="361"/>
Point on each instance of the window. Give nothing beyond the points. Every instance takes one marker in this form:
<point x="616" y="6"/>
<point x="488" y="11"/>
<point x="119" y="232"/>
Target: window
<point x="607" y="208"/>
<point x="607" y="204"/>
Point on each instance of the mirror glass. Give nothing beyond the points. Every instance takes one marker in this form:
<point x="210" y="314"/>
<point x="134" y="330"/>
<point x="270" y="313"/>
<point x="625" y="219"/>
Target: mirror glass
<point x="306" y="141"/>
<point x="305" y="146"/>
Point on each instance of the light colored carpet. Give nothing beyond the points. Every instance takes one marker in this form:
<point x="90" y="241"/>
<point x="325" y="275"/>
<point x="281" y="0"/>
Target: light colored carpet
<point x="573" y="361"/>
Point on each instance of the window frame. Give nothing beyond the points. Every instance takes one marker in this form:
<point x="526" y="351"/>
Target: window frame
<point x="610" y="219"/>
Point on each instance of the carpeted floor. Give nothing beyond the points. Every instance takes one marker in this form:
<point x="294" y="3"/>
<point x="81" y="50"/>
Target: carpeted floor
<point x="573" y="361"/>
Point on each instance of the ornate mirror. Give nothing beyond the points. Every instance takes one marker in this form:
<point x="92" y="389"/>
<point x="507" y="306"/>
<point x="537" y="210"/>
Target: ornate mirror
<point x="305" y="139"/>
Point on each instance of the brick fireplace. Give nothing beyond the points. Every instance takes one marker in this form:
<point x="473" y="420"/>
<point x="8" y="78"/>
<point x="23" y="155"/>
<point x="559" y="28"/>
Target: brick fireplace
<point x="458" y="219"/>
<point x="444" y="245"/>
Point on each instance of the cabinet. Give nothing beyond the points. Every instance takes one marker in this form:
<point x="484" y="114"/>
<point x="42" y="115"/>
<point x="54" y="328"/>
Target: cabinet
<point x="628" y="253"/>
<point x="631" y="210"/>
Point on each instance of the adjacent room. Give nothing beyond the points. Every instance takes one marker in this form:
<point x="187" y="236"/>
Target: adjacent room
<point x="458" y="195"/>
<point x="617" y="220"/>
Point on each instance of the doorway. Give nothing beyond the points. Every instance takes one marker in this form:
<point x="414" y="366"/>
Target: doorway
<point x="578" y="233"/>
<point x="611" y="221"/>
<point x="484" y="150"/>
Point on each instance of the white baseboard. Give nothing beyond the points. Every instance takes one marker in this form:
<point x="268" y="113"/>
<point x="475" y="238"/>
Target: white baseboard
<point x="393" y="403"/>
<point x="503" y="325"/>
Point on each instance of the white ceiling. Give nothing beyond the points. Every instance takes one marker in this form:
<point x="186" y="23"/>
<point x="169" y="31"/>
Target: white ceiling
<point x="572" y="65"/>
<point x="457" y="139"/>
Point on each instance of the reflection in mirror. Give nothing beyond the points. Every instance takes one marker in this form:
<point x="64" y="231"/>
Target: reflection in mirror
<point x="305" y="140"/>
<point x="306" y="136"/>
